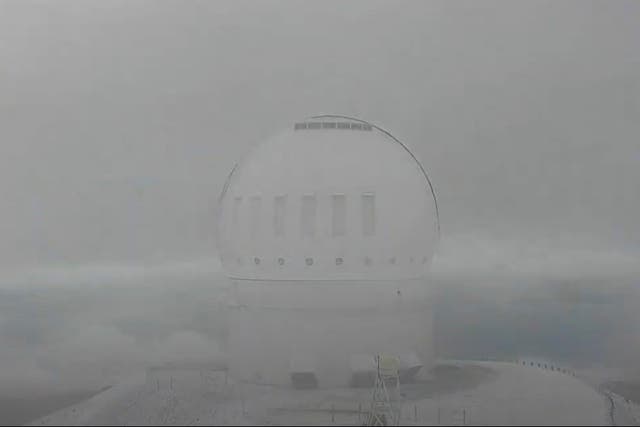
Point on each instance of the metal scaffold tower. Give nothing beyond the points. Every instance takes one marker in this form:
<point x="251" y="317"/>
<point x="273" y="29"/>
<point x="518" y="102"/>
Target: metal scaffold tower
<point x="385" y="401"/>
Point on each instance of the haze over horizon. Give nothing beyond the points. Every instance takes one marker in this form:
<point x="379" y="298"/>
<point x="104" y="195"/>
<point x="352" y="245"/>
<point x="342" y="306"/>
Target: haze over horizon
<point x="120" y="120"/>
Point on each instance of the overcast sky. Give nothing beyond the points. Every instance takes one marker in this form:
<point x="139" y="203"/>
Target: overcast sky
<point x="119" y="121"/>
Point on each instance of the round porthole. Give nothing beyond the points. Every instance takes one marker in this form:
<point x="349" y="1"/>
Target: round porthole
<point x="280" y="261"/>
<point x="309" y="261"/>
<point x="339" y="261"/>
<point x="256" y="260"/>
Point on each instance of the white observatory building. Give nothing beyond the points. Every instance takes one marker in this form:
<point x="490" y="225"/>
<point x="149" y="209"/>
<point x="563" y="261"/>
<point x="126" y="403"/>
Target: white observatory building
<point x="325" y="232"/>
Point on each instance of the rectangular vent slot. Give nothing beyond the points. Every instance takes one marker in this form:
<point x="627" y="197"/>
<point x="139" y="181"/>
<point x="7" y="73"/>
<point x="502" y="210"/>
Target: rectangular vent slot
<point x="332" y="125"/>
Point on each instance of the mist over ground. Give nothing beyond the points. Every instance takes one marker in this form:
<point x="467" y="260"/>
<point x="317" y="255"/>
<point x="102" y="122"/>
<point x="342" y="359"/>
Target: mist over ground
<point x="119" y="122"/>
<point x="69" y="333"/>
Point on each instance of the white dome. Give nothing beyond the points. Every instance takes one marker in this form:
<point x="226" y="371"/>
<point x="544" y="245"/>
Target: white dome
<point x="331" y="198"/>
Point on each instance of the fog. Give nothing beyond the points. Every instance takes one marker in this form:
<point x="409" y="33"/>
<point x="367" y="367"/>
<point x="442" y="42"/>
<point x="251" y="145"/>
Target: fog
<point x="120" y="121"/>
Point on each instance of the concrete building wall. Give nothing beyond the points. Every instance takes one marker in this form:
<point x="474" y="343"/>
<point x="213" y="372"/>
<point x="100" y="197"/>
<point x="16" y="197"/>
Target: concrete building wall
<point x="326" y="323"/>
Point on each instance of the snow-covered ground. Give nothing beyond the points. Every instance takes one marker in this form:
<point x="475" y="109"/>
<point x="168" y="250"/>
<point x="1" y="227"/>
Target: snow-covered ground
<point x="622" y="412"/>
<point x="473" y="393"/>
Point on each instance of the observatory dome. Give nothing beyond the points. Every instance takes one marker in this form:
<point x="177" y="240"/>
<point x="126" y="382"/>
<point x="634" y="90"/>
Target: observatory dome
<point x="330" y="198"/>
